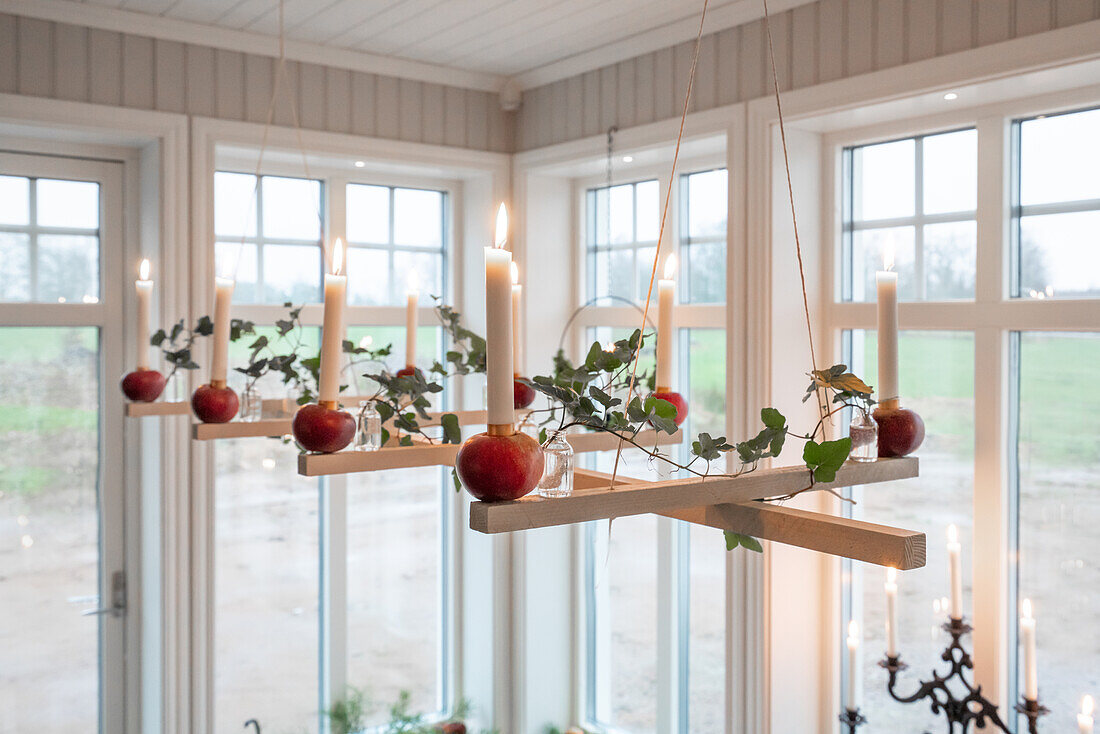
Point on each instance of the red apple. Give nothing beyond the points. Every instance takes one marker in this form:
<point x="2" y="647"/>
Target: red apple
<point x="406" y="372"/>
<point x="322" y="429"/>
<point x="495" y="468"/>
<point x="678" y="401"/>
<point x="143" y="386"/>
<point x="900" y="431"/>
<point x="522" y="393"/>
<point x="451" y="727"/>
<point x="214" y="404"/>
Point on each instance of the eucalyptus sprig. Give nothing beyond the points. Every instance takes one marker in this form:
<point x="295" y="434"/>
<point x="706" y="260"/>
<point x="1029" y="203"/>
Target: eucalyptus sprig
<point x="177" y="343"/>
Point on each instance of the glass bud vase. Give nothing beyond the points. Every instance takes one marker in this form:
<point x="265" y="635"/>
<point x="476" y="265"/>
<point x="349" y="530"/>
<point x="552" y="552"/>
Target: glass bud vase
<point x="368" y="436"/>
<point x="557" y="477"/>
<point x="864" y="434"/>
<point x="252" y="404"/>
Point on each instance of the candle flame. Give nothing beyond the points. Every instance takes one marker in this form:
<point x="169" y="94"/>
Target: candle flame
<point x="515" y="273"/>
<point x="853" y="629"/>
<point x="1087" y="705"/>
<point x="143" y="270"/>
<point x="888" y="257"/>
<point x="891" y="575"/>
<point x="337" y="256"/>
<point x="952" y="534"/>
<point x="502" y="227"/>
<point x="670" y="266"/>
<point x="1025" y="609"/>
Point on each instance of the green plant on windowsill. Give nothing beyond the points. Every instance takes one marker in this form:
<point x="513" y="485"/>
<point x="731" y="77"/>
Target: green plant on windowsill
<point x="348" y="716"/>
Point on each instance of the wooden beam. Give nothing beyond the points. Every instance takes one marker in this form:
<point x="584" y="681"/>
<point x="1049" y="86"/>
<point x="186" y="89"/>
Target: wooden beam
<point x="140" y="410"/>
<point x="267" y="428"/>
<point x="398" y="457"/>
<point x="839" y="536"/>
<point x="602" y="502"/>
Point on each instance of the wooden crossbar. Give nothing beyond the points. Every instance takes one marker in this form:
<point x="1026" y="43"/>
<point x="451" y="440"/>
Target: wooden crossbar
<point x="398" y="457"/>
<point x="599" y="502"/>
<point x="269" y="427"/>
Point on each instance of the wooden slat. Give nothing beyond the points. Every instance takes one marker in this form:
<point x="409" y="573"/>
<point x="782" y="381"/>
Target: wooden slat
<point x="839" y="536"/>
<point x="600" y="503"/>
<point x="267" y="428"/>
<point x="399" y="457"/>
<point x="140" y="410"/>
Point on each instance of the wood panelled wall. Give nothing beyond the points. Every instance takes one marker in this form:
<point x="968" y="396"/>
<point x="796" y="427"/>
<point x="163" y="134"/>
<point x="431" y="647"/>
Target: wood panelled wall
<point x="814" y="43"/>
<point x="62" y="61"/>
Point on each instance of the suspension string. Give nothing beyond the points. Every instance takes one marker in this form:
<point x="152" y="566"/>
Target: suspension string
<point x="790" y="194"/>
<point x="661" y="231"/>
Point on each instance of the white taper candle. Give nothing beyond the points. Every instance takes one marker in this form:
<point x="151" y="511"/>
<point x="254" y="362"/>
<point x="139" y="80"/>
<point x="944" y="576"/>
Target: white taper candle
<point x="954" y="568"/>
<point x="1027" y="640"/>
<point x="219" y="361"/>
<point x="891" y="587"/>
<point x="887" y="282"/>
<point x="144" y="288"/>
<point x="666" y="334"/>
<point x="332" y="328"/>
<point x="412" y="319"/>
<point x="1084" y="719"/>
<point x="498" y="327"/>
<point x="853" y="665"/>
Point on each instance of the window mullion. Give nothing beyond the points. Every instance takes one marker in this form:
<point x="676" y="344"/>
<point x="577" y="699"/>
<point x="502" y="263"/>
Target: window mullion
<point x="918" y="211"/>
<point x="33" y="239"/>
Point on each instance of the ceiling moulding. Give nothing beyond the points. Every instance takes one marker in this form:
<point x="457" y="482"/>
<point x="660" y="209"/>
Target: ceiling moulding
<point x="171" y="29"/>
<point x="718" y="18"/>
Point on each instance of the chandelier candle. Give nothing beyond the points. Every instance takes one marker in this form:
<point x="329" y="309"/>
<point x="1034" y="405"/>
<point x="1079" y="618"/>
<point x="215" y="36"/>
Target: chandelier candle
<point x="666" y="295"/>
<point x="853" y="664"/>
<point x="411" y="321"/>
<point x="887" y="282"/>
<point x="891" y="587"/>
<point x="954" y="569"/>
<point x="332" y="330"/>
<point x="1027" y="640"/>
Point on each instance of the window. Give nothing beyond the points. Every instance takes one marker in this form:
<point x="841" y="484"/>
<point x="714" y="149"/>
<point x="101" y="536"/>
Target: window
<point x="1057" y="207"/>
<point x="269" y="236"/>
<point x="396" y="235"/>
<point x="913" y="200"/>
<point x="655" y="622"/>
<point x="49" y="240"/>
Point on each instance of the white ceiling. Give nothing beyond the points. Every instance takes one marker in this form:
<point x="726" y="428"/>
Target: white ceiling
<point x="486" y="41"/>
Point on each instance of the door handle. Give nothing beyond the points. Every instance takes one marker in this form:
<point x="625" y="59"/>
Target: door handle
<point x="118" y="598"/>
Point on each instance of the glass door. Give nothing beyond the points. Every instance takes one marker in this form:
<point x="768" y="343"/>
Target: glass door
<point x="62" y="576"/>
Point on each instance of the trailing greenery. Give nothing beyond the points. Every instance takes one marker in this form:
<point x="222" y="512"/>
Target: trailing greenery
<point x="348" y="716"/>
<point x="279" y="355"/>
<point x="467" y="353"/>
<point x="176" y="344"/>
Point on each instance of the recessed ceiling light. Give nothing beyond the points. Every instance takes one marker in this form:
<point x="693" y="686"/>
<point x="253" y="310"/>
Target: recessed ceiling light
<point x="360" y="164"/>
<point x="628" y="159"/>
<point x="950" y="96"/>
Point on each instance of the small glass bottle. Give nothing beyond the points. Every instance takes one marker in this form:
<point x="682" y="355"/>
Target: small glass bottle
<point x="290" y="402"/>
<point x="369" y="435"/>
<point x="864" y="434"/>
<point x="252" y="405"/>
<point x="557" y="476"/>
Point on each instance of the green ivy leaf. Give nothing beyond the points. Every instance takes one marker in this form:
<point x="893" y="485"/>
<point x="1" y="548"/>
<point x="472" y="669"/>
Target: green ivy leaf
<point x="452" y="433"/>
<point x="205" y="327"/>
<point x="745" y="541"/>
<point x="406" y="441"/>
<point x="772" y="418"/>
<point x="825" y="459"/>
<point x="456" y="480"/>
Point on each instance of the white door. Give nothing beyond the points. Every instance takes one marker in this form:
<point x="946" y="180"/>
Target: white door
<point x="62" y="579"/>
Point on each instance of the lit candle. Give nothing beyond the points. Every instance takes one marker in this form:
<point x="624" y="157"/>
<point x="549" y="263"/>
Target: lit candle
<point x="1084" y="719"/>
<point x="517" y="322"/>
<point x="666" y="294"/>
<point x="853" y="663"/>
<point x="1027" y="639"/>
<point x="411" y="319"/>
<point x="219" y="361"/>
<point x="144" y="288"/>
<point x="498" y="330"/>
<point x="332" y="329"/>
<point x="954" y="566"/>
<point x="887" y="282"/>
<point x="891" y="586"/>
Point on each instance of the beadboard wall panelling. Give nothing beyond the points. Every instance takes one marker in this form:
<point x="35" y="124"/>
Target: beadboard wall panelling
<point x="63" y="61"/>
<point x="814" y="43"/>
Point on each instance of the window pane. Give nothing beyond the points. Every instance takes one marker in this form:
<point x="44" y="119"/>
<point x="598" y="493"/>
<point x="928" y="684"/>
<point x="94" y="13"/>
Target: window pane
<point x="429" y="343"/>
<point x="950" y="260"/>
<point x="234" y="204"/>
<point x="15" y="200"/>
<point x="622" y="214"/>
<point x="705" y="272"/>
<point x="707" y="203"/>
<point x="49" y="529"/>
<point x="704" y="353"/>
<point x="15" y="266"/>
<point x="598" y="203"/>
<point x="1060" y="252"/>
<point x="951" y="172"/>
<point x="68" y="267"/>
<point x="707" y="633"/>
<point x="936" y="380"/>
<point x="369" y="277"/>
<point x="1059" y="158"/>
<point x="417" y="217"/>
<point x="68" y="204"/>
<point x="1059" y="511"/>
<point x="395" y="587"/>
<point x="291" y="208"/>
<point x="648" y="215"/>
<point x="292" y="273"/>
<point x="368" y="210"/>
<point x="885" y="180"/>
<point x="234" y="258"/>
<point x="267" y="587"/>
<point x="643" y="264"/>
<point x="425" y="269"/>
<point x="868" y="247"/>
